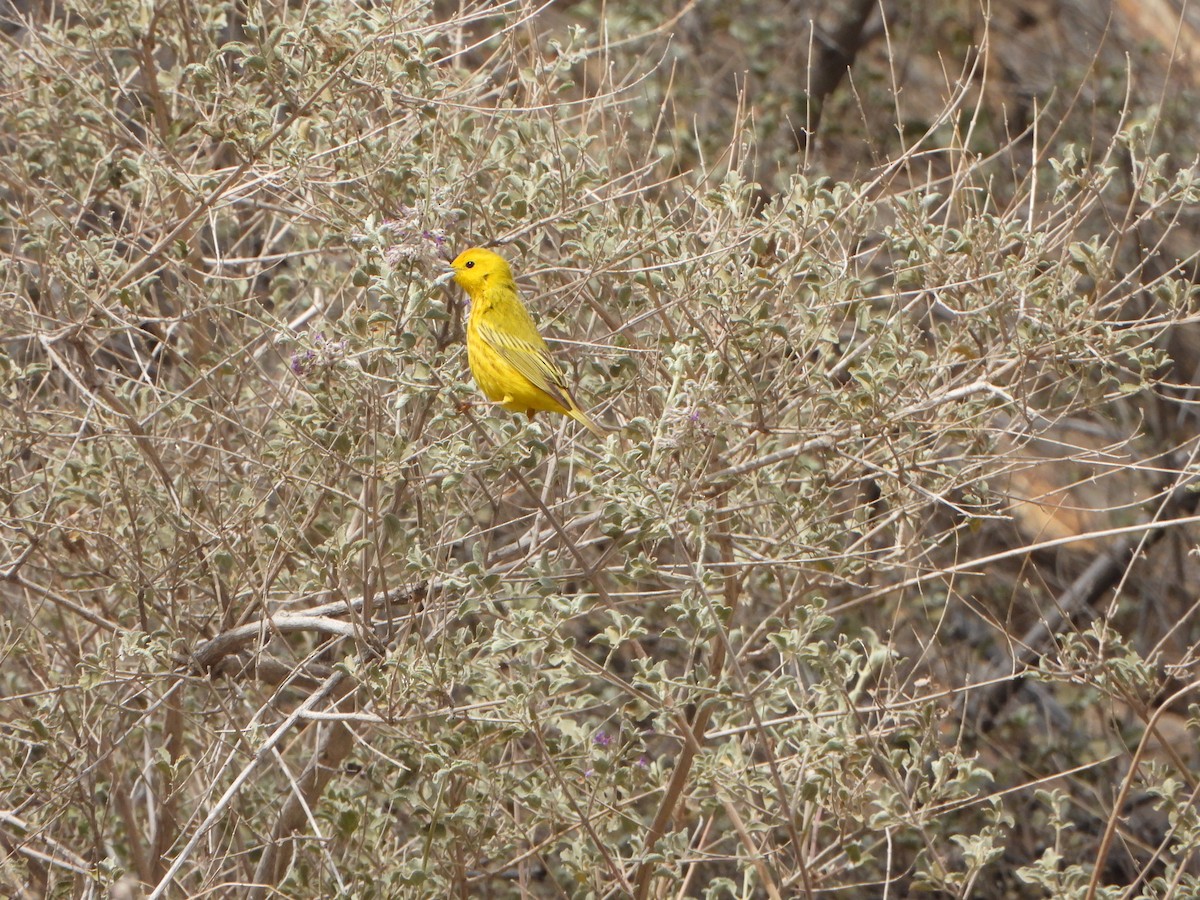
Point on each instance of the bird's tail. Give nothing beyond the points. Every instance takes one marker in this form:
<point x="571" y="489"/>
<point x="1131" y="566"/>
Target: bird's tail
<point x="582" y="418"/>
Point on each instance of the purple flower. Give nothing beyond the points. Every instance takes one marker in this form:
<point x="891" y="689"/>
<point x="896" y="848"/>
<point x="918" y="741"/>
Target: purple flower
<point x="601" y="739"/>
<point x="412" y="243"/>
<point x="439" y="240"/>
<point x="302" y="361"/>
<point x="323" y="352"/>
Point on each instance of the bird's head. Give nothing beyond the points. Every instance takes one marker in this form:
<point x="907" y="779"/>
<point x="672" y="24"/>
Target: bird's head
<point x="473" y="269"/>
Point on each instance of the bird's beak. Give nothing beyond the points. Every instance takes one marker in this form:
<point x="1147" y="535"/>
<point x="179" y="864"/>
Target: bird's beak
<point x="446" y="275"/>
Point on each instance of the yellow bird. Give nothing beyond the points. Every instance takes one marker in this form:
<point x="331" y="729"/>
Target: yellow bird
<point x="511" y="363"/>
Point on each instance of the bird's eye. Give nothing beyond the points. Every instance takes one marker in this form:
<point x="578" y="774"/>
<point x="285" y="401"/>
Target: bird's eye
<point x="471" y="264"/>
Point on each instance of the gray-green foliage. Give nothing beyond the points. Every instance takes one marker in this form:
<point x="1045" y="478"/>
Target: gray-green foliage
<point x="231" y="394"/>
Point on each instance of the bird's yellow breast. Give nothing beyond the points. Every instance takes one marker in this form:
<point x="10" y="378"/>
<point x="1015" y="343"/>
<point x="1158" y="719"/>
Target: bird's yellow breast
<point x="501" y="382"/>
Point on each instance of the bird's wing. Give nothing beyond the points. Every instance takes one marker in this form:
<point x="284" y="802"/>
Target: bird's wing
<point x="532" y="361"/>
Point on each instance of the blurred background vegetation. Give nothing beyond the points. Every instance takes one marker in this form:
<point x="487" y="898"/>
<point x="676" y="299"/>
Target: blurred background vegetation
<point x="887" y="586"/>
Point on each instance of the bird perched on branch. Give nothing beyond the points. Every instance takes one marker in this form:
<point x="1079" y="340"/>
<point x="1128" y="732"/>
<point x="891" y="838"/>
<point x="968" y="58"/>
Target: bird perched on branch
<point x="511" y="363"/>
